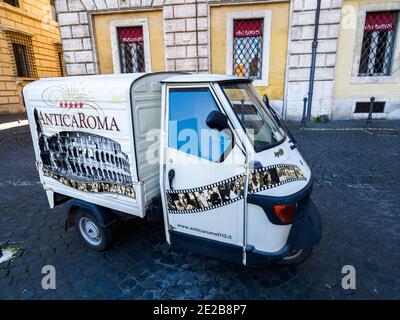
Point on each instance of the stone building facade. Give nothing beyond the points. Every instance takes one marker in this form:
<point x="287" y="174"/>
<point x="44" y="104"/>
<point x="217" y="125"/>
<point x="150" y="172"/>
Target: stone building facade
<point x="196" y="36"/>
<point x="299" y="55"/>
<point x="30" y="47"/>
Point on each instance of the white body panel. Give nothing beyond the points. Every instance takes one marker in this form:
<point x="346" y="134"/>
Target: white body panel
<point x="262" y="234"/>
<point x="222" y="224"/>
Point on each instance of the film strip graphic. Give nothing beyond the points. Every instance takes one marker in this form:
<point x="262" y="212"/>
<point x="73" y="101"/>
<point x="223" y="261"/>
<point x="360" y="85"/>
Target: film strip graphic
<point x="231" y="190"/>
<point x="93" y="186"/>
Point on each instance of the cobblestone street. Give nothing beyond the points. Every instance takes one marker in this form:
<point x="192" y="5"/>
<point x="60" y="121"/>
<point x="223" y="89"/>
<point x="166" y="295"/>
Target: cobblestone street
<point x="356" y="188"/>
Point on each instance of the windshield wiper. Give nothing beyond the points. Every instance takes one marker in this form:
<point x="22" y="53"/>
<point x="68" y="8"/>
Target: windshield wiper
<point x="242" y="109"/>
<point x="279" y="122"/>
<point x="274" y="114"/>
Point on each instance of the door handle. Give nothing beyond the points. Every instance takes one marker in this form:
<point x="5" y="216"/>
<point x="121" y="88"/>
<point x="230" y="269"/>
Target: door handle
<point x="171" y="176"/>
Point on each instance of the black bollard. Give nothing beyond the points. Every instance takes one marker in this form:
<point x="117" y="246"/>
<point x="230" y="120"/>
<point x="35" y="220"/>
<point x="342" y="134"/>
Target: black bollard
<point x="304" y="118"/>
<point x="371" y="109"/>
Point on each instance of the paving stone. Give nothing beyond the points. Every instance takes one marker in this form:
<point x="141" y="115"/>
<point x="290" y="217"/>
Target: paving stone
<point x="356" y="183"/>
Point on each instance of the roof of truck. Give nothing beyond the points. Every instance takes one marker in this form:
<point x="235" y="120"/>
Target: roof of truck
<point x="190" y="78"/>
<point x="110" y="86"/>
<point x="130" y="77"/>
<point x="103" y="87"/>
<point x="121" y="76"/>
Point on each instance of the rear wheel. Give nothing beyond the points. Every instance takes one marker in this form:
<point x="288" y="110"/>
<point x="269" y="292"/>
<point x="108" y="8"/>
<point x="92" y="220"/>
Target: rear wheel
<point x="295" y="257"/>
<point x="90" y="231"/>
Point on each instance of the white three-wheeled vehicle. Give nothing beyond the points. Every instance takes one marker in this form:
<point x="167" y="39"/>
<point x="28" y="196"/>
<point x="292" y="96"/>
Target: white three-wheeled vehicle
<point x="203" y="152"/>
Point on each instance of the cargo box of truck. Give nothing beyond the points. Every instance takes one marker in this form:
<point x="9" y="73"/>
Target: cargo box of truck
<point x="89" y="137"/>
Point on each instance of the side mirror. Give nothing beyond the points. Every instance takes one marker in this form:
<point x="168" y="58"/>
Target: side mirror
<point x="217" y="120"/>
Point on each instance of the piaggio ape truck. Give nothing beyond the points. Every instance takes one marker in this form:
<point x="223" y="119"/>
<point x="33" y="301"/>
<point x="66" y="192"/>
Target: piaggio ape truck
<point x="203" y="153"/>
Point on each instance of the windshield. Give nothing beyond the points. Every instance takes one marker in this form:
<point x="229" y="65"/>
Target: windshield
<point x="253" y="115"/>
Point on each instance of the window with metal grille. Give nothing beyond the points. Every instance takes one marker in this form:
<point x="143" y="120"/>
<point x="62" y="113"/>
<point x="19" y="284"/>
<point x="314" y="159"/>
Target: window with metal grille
<point x="21" y="46"/>
<point x="131" y="49"/>
<point x="14" y="3"/>
<point x="248" y="48"/>
<point x="378" y="43"/>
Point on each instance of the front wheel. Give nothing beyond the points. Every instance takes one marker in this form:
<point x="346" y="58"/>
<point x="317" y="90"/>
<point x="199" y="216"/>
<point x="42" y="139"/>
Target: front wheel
<point x="295" y="257"/>
<point x="91" y="232"/>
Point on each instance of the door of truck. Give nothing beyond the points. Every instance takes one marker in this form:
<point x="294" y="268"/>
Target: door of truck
<point x="203" y="175"/>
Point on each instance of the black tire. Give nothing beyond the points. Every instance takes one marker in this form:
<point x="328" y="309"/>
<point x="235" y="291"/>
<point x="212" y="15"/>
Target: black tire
<point x="296" y="257"/>
<point x="104" y="238"/>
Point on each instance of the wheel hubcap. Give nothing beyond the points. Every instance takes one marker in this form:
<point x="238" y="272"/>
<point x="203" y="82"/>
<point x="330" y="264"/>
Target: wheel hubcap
<point x="90" y="231"/>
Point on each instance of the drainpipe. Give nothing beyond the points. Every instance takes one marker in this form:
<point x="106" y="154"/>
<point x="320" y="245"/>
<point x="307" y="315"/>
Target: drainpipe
<point x="313" y="61"/>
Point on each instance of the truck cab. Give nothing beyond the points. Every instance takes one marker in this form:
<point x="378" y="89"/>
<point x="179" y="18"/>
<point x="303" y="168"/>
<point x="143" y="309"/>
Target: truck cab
<point x="233" y="182"/>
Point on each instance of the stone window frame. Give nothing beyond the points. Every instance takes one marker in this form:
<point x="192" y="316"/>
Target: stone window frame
<point x="395" y="76"/>
<point x="139" y="22"/>
<point x="266" y="15"/>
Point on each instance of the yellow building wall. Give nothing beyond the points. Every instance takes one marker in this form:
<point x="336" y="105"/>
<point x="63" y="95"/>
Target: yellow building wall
<point x="278" y="46"/>
<point x="103" y="39"/>
<point x="344" y="89"/>
<point x="32" y="17"/>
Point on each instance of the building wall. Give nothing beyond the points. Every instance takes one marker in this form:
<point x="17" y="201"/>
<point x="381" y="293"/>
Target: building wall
<point x="179" y="23"/>
<point x="276" y="47"/>
<point x="34" y="19"/>
<point x="83" y="56"/>
<point x="349" y="88"/>
<point x="300" y="44"/>
<point x="292" y="32"/>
